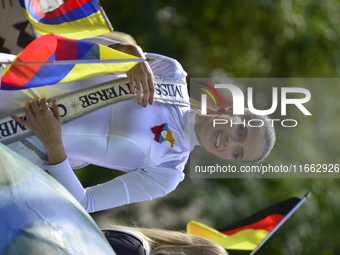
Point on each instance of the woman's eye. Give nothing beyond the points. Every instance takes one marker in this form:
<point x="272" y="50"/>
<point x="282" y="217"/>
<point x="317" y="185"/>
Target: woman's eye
<point x="236" y="154"/>
<point x="241" y="131"/>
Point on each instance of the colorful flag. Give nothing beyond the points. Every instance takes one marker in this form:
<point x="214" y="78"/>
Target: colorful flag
<point x="251" y="232"/>
<point x="76" y="19"/>
<point x="53" y="48"/>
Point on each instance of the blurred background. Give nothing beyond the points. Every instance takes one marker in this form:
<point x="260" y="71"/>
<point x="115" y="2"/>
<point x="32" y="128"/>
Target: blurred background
<point x="245" y="39"/>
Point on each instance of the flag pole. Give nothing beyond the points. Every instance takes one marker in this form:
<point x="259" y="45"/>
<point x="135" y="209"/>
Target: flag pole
<point x="79" y="61"/>
<point x="107" y="21"/>
<point x="281" y="222"/>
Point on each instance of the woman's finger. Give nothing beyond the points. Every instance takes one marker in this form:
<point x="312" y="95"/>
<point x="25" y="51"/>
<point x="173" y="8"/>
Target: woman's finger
<point x="139" y="91"/>
<point x="131" y="83"/>
<point x="17" y="119"/>
<point x="29" y="115"/>
<point x="28" y="109"/>
<point x="56" y="110"/>
<point x="145" y="97"/>
<point x="35" y="107"/>
<point x="44" y="104"/>
<point x="21" y="121"/>
<point x="151" y="84"/>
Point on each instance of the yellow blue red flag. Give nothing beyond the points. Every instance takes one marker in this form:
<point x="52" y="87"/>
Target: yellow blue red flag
<point x="76" y="19"/>
<point x="53" y="48"/>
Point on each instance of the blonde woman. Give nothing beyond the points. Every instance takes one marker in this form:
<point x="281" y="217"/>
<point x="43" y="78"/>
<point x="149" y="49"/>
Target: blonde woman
<point x="128" y="137"/>
<point x="142" y="241"/>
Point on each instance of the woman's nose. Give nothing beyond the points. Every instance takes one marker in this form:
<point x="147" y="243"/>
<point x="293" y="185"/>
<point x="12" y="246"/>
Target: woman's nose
<point x="230" y="141"/>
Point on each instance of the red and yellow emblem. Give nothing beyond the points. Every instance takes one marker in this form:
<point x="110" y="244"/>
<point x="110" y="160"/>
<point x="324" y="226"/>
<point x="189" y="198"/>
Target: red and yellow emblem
<point x="163" y="133"/>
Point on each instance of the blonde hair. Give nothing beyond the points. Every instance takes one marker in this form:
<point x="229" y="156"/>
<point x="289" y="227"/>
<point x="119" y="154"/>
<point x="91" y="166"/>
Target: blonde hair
<point x="167" y="242"/>
<point x="267" y="129"/>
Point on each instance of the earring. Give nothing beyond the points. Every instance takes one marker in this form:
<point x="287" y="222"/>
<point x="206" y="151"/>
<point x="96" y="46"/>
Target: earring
<point x="221" y="111"/>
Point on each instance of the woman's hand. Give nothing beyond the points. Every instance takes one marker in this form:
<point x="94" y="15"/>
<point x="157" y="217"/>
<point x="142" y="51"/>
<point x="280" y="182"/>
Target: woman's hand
<point x="140" y="76"/>
<point x="45" y="122"/>
<point x="141" y="80"/>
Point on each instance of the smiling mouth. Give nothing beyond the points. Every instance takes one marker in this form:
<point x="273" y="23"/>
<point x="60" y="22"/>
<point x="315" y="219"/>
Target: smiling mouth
<point x="218" y="139"/>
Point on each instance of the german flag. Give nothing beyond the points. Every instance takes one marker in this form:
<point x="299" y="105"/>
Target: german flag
<point x="250" y="232"/>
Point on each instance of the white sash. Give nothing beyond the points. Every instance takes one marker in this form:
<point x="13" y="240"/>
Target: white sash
<point x="78" y="103"/>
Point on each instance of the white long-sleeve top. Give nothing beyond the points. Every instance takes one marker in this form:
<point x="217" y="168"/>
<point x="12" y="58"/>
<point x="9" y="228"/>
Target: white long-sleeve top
<point x="126" y="142"/>
<point x="121" y="137"/>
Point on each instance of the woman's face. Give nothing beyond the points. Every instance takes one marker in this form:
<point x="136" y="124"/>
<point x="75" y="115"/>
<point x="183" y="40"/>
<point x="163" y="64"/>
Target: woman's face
<point x="236" y="141"/>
